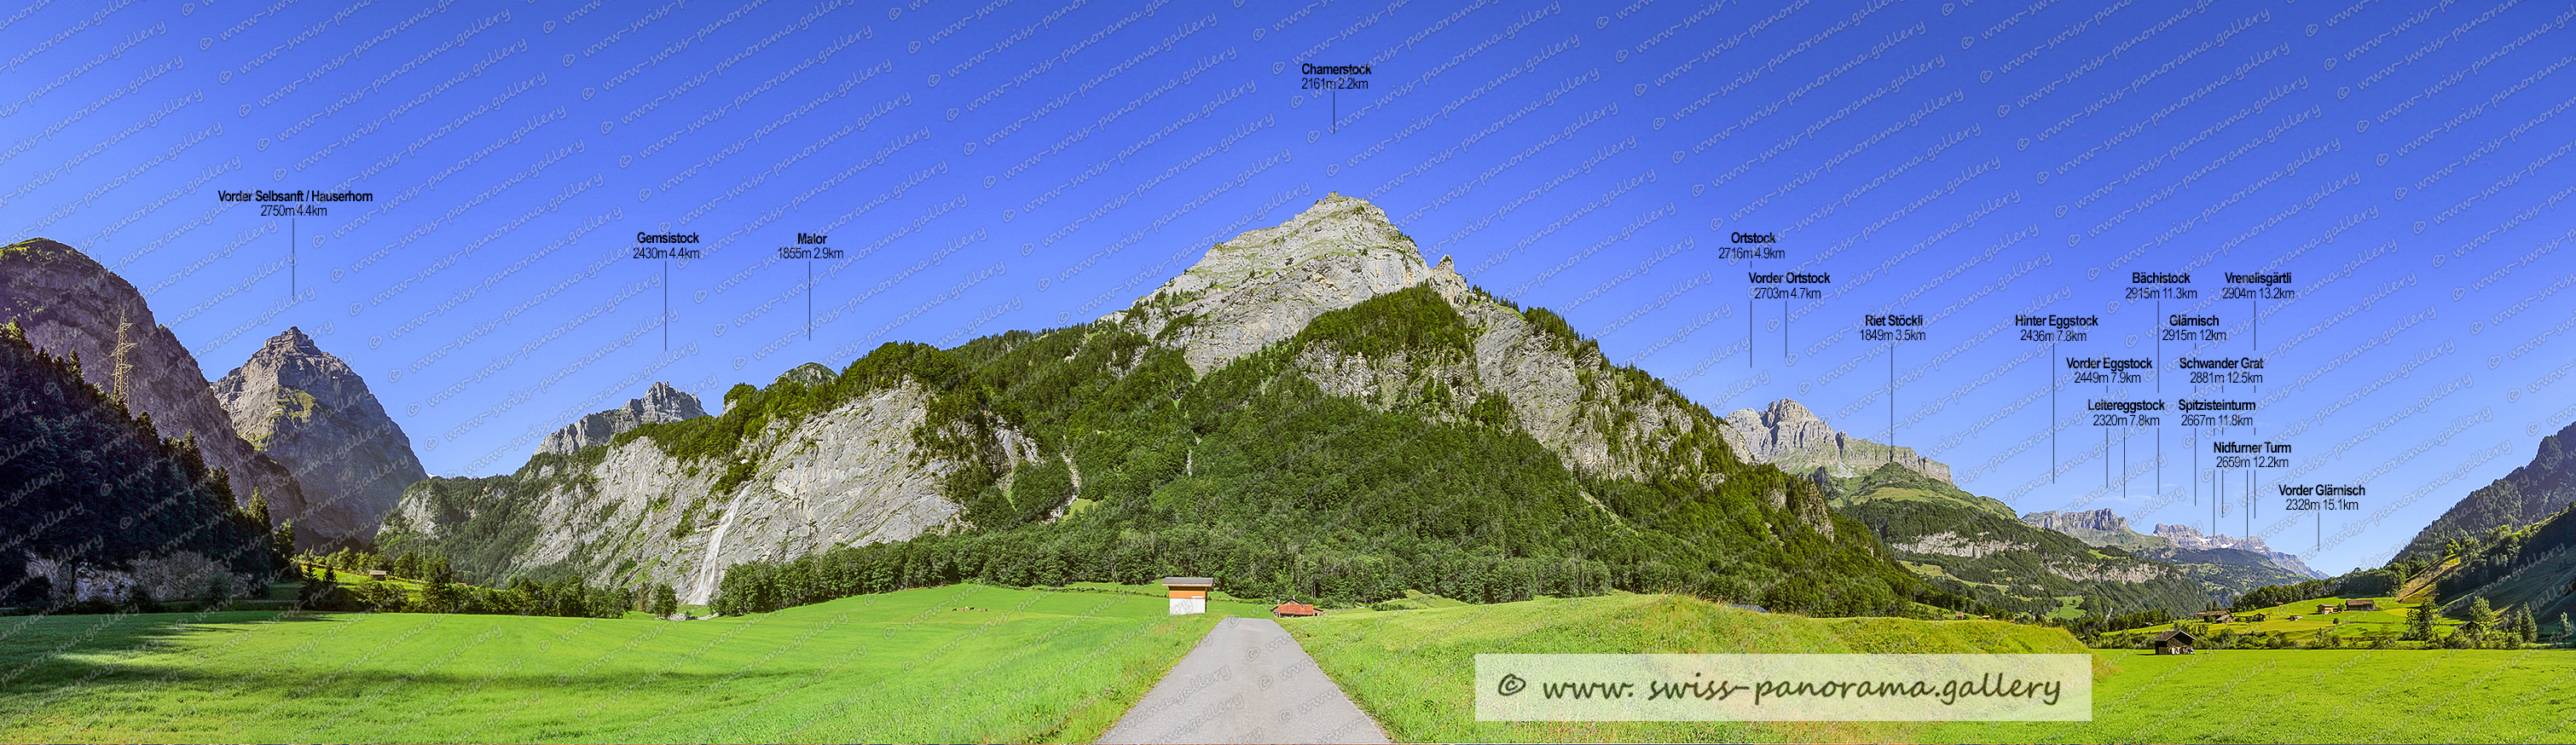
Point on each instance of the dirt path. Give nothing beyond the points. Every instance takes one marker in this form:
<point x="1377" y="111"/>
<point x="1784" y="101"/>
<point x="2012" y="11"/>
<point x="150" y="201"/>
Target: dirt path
<point x="1247" y="681"/>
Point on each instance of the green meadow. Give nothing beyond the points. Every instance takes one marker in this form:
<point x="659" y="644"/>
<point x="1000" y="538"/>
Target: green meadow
<point x="2290" y="695"/>
<point x="1414" y="671"/>
<point x="2348" y="627"/>
<point x="964" y="663"/>
<point x="975" y="663"/>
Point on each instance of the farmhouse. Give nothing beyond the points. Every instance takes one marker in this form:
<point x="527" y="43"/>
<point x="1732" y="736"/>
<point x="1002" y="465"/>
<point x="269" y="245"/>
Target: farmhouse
<point x="2352" y="605"/>
<point x="2176" y="641"/>
<point x="1189" y="594"/>
<point x="2216" y="616"/>
<point x="2325" y="608"/>
<point x="1295" y="609"/>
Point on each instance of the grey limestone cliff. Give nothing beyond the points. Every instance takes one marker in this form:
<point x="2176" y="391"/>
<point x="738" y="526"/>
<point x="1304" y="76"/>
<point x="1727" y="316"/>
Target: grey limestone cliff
<point x="2065" y="522"/>
<point x="307" y="410"/>
<point x="661" y="403"/>
<point x="639" y="513"/>
<point x="1789" y="436"/>
<point x="1266" y="285"/>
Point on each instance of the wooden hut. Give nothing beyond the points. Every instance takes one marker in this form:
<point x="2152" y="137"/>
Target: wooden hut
<point x="2352" y="605"/>
<point x="1188" y="594"/>
<point x="2176" y="641"/>
<point x="2216" y="616"/>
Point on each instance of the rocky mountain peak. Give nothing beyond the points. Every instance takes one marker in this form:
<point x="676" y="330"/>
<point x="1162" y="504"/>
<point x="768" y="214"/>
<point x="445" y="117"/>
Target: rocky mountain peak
<point x="2101" y="519"/>
<point x="309" y="411"/>
<point x="1335" y="226"/>
<point x="661" y="403"/>
<point x="293" y="341"/>
<point x="1787" y="435"/>
<point x="1265" y="285"/>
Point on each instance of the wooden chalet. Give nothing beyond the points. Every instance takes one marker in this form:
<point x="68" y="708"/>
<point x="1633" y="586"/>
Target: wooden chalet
<point x="2353" y="605"/>
<point x="2325" y="608"/>
<point x="1295" y="610"/>
<point x="2216" y="616"/>
<point x="1188" y="594"/>
<point x="2176" y="641"/>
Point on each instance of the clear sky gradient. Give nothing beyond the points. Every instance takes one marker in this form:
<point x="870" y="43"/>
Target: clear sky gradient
<point x="984" y="166"/>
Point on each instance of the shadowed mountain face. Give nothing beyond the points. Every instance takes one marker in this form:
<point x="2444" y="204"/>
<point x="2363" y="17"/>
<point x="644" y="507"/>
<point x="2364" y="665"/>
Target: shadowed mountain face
<point x="2529" y="495"/>
<point x="309" y="411"/>
<point x="99" y="506"/>
<point x="69" y="304"/>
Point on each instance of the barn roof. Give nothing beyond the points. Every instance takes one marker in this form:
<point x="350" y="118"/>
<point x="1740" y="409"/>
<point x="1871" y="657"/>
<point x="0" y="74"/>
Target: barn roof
<point x="1189" y="581"/>
<point x="2175" y="634"/>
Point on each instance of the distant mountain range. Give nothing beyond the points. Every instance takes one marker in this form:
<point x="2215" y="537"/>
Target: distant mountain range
<point x="2104" y="527"/>
<point x="1977" y="546"/>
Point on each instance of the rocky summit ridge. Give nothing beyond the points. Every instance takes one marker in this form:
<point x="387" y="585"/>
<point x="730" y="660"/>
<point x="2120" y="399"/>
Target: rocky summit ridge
<point x="309" y="411"/>
<point x="661" y="403"/>
<point x="1789" y="436"/>
<point x="1265" y="285"/>
<point x="2067" y="522"/>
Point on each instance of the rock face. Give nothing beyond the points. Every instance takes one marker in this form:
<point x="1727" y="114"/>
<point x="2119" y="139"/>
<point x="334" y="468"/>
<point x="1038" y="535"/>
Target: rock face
<point x="2187" y="537"/>
<point x="1265" y="285"/>
<point x="661" y="403"/>
<point x="635" y="513"/>
<point x="307" y="410"/>
<point x="69" y="304"/>
<point x="2069" y="522"/>
<point x="1795" y="439"/>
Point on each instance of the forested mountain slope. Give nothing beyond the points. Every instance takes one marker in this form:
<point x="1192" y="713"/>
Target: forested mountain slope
<point x="1312" y="412"/>
<point x="98" y="505"/>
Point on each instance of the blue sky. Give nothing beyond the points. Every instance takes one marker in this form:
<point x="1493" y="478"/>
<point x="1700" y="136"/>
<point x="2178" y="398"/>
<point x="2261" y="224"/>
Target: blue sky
<point x="984" y="166"/>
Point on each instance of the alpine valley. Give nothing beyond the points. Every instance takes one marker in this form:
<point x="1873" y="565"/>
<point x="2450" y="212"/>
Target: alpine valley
<point x="1311" y="411"/>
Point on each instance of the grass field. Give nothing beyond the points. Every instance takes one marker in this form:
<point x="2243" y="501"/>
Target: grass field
<point x="973" y="663"/>
<point x="2465" y="696"/>
<point x="2352" y="627"/>
<point x="964" y="663"/>
<point x="1413" y="670"/>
